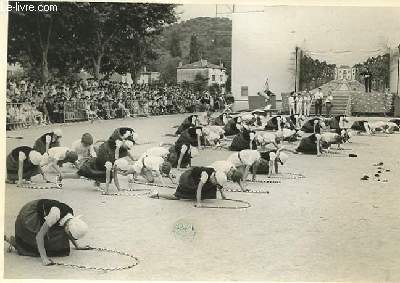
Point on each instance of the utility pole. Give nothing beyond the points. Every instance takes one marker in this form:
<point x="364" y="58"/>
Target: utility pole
<point x="295" y="75"/>
<point x="398" y="71"/>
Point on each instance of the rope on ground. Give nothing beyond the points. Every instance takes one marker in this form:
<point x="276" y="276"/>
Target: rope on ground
<point x="117" y="268"/>
<point x="245" y="204"/>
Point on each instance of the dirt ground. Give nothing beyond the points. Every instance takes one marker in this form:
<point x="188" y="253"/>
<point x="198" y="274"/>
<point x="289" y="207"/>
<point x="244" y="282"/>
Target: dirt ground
<point x="330" y="226"/>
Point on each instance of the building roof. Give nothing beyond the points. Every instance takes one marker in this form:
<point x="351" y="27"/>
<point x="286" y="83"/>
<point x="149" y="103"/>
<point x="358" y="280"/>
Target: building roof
<point x="202" y="64"/>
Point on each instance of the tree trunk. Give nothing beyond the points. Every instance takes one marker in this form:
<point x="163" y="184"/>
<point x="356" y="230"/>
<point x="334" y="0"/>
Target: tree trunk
<point x="97" y="66"/>
<point x="44" y="68"/>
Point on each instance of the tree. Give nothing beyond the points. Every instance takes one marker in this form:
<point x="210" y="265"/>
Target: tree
<point x="117" y="35"/>
<point x="194" y="53"/>
<point x="314" y="73"/>
<point x="175" y="45"/>
<point x="168" y="71"/>
<point x="379" y="67"/>
<point x="33" y="35"/>
<point x="102" y="37"/>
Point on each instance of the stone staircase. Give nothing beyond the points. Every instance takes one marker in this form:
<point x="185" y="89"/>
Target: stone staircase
<point x="341" y="92"/>
<point x="340" y="101"/>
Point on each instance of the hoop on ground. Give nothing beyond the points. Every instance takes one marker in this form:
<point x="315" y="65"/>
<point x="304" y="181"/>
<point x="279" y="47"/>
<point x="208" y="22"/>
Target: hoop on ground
<point x="377" y="135"/>
<point x="124" y="192"/>
<point x="154" y="185"/>
<point x="117" y="268"/>
<point x="235" y="204"/>
<point x="47" y="186"/>
<point x="248" y="191"/>
<point x="287" y="176"/>
<point x="331" y="154"/>
<point x="264" y="181"/>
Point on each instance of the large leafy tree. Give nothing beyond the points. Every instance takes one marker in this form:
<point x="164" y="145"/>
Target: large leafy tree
<point x="101" y="37"/>
<point x="117" y="36"/>
<point x="33" y="36"/>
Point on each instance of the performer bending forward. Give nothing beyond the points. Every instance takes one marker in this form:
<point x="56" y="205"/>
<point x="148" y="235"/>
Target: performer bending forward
<point x="197" y="183"/>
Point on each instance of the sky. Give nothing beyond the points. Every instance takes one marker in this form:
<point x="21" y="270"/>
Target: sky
<point x="193" y="11"/>
<point x="335" y="47"/>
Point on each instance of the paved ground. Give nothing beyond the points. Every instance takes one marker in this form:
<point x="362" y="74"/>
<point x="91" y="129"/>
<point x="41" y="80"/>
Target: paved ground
<point x="329" y="226"/>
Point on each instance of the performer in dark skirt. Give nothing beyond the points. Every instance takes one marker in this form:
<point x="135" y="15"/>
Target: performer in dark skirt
<point x="44" y="228"/>
<point x="197" y="183"/>
<point x="311" y="145"/>
<point x="396" y="121"/>
<point x="244" y="140"/>
<point x="192" y="136"/>
<point x="191" y="121"/>
<point x="313" y="126"/>
<point x="47" y="141"/>
<point x="293" y="122"/>
<point x="181" y="154"/>
<point x="221" y="120"/>
<point x="361" y="127"/>
<point x="23" y="163"/>
<point x="269" y="162"/>
<point x="337" y="122"/>
<point x="232" y="127"/>
<point x="99" y="168"/>
<point x="274" y="124"/>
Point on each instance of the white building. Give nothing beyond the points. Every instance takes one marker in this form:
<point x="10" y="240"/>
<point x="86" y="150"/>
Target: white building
<point x="345" y="73"/>
<point x="147" y="77"/>
<point x="214" y="74"/>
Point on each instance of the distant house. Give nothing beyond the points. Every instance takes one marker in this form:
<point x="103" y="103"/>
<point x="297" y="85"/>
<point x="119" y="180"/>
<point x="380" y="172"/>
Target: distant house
<point x="214" y="74"/>
<point x="345" y="73"/>
<point x="146" y="77"/>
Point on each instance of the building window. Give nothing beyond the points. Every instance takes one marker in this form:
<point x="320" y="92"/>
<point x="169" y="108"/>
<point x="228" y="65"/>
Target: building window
<point x="245" y="91"/>
<point x="220" y="78"/>
<point x="213" y="78"/>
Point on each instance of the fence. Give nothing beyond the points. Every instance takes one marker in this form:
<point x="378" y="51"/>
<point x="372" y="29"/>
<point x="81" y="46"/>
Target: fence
<point x="21" y="115"/>
<point x="82" y="110"/>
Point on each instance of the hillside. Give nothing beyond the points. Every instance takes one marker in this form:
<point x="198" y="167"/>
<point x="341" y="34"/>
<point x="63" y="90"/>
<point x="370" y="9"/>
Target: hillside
<point x="213" y="36"/>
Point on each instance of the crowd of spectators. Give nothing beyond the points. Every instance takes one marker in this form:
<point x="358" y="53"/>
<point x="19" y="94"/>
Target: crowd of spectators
<point x="29" y="102"/>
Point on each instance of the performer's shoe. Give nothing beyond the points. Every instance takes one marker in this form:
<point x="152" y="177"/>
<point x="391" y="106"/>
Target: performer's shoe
<point x="59" y="181"/>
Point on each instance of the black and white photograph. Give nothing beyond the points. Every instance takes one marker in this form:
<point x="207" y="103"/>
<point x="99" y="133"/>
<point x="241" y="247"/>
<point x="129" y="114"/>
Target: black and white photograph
<point x="201" y="141"/>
